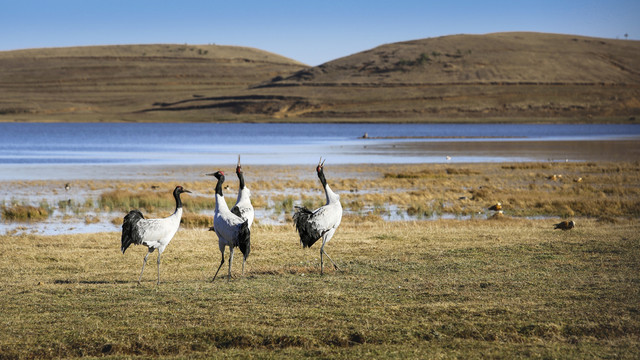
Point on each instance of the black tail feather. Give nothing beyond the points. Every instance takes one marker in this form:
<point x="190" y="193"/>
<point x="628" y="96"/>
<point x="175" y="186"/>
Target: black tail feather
<point x="244" y="239"/>
<point x="308" y="236"/>
<point x="130" y="234"/>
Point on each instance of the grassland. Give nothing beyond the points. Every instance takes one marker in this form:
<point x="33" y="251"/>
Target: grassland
<point x="444" y="289"/>
<point x="508" y="287"/>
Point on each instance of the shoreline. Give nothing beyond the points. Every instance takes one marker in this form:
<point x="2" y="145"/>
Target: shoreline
<point x="358" y="154"/>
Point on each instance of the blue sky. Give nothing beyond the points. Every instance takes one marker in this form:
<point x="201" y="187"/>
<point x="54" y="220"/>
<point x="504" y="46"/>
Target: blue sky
<point x="312" y="32"/>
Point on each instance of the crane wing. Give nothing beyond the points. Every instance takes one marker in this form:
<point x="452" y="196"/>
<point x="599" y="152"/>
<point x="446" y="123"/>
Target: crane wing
<point x="227" y="226"/>
<point x="236" y="211"/>
<point x="311" y="225"/>
<point x="244" y="212"/>
<point x="326" y="218"/>
<point x="156" y="231"/>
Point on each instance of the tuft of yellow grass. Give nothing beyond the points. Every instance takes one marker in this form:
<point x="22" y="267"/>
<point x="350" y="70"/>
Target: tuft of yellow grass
<point x="24" y="213"/>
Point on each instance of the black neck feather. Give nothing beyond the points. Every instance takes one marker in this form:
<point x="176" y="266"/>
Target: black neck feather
<point x="241" y="178"/>
<point x="176" y="195"/>
<point x="219" y="185"/>
<point x="322" y="179"/>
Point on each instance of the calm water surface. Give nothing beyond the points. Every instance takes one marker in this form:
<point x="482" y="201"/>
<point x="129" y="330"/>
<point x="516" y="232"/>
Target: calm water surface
<point x="26" y="147"/>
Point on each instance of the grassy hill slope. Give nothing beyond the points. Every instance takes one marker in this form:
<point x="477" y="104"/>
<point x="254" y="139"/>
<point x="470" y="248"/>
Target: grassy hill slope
<point x="114" y="82"/>
<point x="494" y="77"/>
<point x="505" y="76"/>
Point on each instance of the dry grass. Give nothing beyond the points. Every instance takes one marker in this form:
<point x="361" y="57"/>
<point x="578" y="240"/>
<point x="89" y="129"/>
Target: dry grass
<point x="450" y="289"/>
<point x="150" y="201"/>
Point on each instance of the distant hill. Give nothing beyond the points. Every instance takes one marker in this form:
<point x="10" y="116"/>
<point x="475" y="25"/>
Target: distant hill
<point x="494" y="77"/>
<point x="111" y="83"/>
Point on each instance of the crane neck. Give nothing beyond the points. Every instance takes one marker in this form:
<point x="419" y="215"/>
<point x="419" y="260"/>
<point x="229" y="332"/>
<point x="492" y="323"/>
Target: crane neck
<point x="322" y="179"/>
<point x="219" y="185"/>
<point x="176" y="195"/>
<point x="241" y="178"/>
<point x="331" y="196"/>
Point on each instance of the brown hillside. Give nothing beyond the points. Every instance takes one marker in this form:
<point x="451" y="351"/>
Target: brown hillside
<point x="505" y="77"/>
<point x="494" y="77"/>
<point x="114" y="82"/>
<point x="485" y="59"/>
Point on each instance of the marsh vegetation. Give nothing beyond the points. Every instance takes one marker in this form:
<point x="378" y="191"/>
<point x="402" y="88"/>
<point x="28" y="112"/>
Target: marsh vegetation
<point x="602" y="190"/>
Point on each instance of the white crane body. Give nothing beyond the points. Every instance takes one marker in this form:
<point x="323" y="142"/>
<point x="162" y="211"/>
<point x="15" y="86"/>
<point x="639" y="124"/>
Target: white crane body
<point x="152" y="233"/>
<point x="243" y="207"/>
<point x="232" y="230"/>
<point x="320" y="223"/>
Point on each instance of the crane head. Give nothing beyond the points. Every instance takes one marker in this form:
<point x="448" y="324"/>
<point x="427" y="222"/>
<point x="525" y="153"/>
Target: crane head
<point x="217" y="174"/>
<point x="238" y="167"/>
<point x="179" y="190"/>
<point x="320" y="165"/>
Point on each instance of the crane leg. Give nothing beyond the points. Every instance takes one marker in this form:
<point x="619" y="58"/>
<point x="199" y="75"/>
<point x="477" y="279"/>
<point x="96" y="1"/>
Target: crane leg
<point x="230" y="261"/>
<point x="144" y="263"/>
<point x="221" y="262"/>
<point x="159" y="253"/>
<point x="334" y="264"/>
<point x="244" y="259"/>
<point x="321" y="260"/>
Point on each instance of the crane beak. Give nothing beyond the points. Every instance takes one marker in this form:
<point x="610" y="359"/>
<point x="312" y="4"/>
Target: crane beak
<point x="187" y="191"/>
<point x="216" y="174"/>
<point x="238" y="160"/>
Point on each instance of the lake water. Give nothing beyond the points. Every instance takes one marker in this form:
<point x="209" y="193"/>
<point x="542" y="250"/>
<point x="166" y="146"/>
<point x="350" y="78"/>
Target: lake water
<point x="26" y="149"/>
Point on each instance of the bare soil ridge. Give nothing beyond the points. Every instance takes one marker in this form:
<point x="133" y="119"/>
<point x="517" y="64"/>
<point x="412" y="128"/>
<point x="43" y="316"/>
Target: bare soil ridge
<point x="494" y="77"/>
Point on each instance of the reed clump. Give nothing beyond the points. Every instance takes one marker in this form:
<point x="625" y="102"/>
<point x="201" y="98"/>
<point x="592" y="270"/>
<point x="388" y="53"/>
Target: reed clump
<point x="24" y="213"/>
<point x="150" y="201"/>
<point x="196" y="221"/>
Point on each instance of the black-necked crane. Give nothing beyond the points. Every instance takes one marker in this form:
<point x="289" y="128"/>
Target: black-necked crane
<point x="319" y="223"/>
<point x="565" y="225"/>
<point x="152" y="233"/>
<point x="243" y="207"/>
<point x="232" y="230"/>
